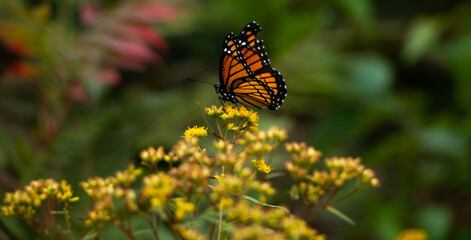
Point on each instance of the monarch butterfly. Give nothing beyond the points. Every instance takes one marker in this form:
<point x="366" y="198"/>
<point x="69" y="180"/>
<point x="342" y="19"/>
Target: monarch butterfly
<point x="245" y="72"/>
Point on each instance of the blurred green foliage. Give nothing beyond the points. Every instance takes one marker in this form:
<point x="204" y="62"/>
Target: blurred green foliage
<point x="384" y="80"/>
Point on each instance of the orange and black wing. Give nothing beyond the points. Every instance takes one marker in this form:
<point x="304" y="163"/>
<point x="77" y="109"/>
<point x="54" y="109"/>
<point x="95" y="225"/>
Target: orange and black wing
<point x="253" y="92"/>
<point x="257" y="59"/>
<point x="252" y="48"/>
<point x="232" y="64"/>
<point x="238" y="81"/>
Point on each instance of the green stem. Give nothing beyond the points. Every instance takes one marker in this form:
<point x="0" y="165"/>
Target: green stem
<point x="220" y="215"/>
<point x="68" y="223"/>
<point x="219" y="128"/>
<point x="355" y="190"/>
<point x="151" y="224"/>
<point x="123" y="229"/>
<point x="211" y="231"/>
<point x="173" y="225"/>
<point x="306" y="209"/>
<point x="206" y="120"/>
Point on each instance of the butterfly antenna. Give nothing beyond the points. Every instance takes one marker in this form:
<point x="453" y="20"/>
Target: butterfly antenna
<point x="206" y="75"/>
<point x="193" y="80"/>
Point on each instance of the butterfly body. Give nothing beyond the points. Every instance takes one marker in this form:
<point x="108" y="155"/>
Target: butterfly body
<point x="245" y="73"/>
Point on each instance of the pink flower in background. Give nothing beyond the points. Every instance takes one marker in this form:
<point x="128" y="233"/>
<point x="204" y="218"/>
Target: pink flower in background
<point x="112" y="77"/>
<point x="146" y="34"/>
<point x="67" y="66"/>
<point x="123" y="38"/>
<point x="130" y="51"/>
<point x="149" y="11"/>
<point x="78" y="93"/>
<point x="89" y="14"/>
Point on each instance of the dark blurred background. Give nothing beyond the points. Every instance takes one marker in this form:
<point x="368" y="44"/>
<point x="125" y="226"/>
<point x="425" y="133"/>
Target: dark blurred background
<point x="86" y="85"/>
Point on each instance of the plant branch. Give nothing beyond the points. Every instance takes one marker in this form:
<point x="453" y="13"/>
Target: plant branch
<point x="324" y="206"/>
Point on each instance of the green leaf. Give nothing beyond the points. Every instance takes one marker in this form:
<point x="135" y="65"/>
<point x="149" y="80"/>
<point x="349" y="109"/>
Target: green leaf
<point x="91" y="235"/>
<point x="275" y="175"/>
<point x="263" y="204"/>
<point x="144" y="234"/>
<point x="339" y="214"/>
<point x="422" y="35"/>
<point x="360" y="11"/>
<point x="444" y="140"/>
<point x="370" y="77"/>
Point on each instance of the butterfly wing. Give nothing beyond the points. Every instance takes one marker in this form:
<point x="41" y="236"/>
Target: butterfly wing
<point x="257" y="59"/>
<point x="252" y="48"/>
<point x="238" y="81"/>
<point x="253" y="92"/>
<point x="232" y="65"/>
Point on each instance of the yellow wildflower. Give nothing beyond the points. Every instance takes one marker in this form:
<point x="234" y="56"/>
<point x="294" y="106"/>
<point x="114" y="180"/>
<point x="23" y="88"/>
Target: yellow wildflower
<point x="214" y="111"/>
<point x="156" y="191"/>
<point x="261" y="166"/>
<point x="219" y="178"/>
<point x="190" y="234"/>
<point x="25" y="203"/>
<point x="230" y="112"/>
<point x="127" y="177"/>
<point x="225" y="202"/>
<point x="232" y="127"/>
<point x="183" y="208"/>
<point x="195" y="132"/>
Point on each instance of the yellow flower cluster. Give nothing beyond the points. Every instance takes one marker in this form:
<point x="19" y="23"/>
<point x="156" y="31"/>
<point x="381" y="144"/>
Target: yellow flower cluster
<point x="127" y="177"/>
<point x="185" y="150"/>
<point x="223" y="179"/>
<point x="25" y="203"/>
<point x="261" y="166"/>
<point x="190" y="178"/>
<point x="238" y="183"/>
<point x="156" y="192"/>
<point x="219" y="178"/>
<point x="262" y="142"/>
<point x="190" y="234"/>
<point x="263" y="188"/>
<point x="223" y="190"/>
<point x="302" y="156"/>
<point x="102" y="212"/>
<point x="105" y="193"/>
<point x="183" y="208"/>
<point x="195" y="132"/>
<point x="229" y="158"/>
<point x="253" y="222"/>
<point x="237" y="119"/>
<point x="188" y="150"/>
<point x="312" y="184"/>
<point x="40" y="203"/>
<point x="223" y="146"/>
<point x="151" y="157"/>
<point x="344" y="169"/>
